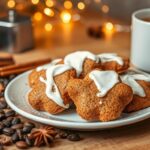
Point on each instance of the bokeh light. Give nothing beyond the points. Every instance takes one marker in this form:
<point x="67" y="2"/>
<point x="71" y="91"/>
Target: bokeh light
<point x="49" y="3"/>
<point x="68" y="4"/>
<point x="38" y="16"/>
<point x="35" y="2"/>
<point x="49" y="12"/>
<point x="48" y="27"/>
<point x="11" y="3"/>
<point x="105" y="8"/>
<point x="65" y="17"/>
<point x="109" y="26"/>
<point x="81" y="5"/>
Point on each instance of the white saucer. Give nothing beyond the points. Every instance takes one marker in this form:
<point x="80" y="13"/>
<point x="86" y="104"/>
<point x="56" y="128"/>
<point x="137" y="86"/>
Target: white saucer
<point x="16" y="96"/>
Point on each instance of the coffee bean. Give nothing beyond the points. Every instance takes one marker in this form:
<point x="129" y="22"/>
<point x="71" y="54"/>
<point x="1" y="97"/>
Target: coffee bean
<point x="2" y="116"/>
<point x="1" y="127"/>
<point x="15" y="137"/>
<point x="5" y="82"/>
<point x="7" y="123"/>
<point x="27" y="129"/>
<point x="74" y="137"/>
<point x="2" y="94"/>
<point x="5" y="140"/>
<point x="16" y="121"/>
<point x="10" y="119"/>
<point x="17" y="126"/>
<point x="2" y="99"/>
<point x="3" y="104"/>
<point x="63" y="134"/>
<point x="29" y="124"/>
<point x="21" y="145"/>
<point x="20" y="134"/>
<point x="8" y="131"/>
<point x="1" y="147"/>
<point x="28" y="140"/>
<point x="9" y="113"/>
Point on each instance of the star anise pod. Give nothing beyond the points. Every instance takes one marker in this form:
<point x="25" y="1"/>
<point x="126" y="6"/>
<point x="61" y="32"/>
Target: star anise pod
<point x="43" y="135"/>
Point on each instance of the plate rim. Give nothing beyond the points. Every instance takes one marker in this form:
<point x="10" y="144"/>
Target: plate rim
<point x="67" y="124"/>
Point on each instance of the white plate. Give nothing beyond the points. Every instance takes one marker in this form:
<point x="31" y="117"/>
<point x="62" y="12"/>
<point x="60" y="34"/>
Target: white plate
<point x="16" y="96"/>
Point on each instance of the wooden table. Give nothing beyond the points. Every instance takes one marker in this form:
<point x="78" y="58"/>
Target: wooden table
<point x="133" y="137"/>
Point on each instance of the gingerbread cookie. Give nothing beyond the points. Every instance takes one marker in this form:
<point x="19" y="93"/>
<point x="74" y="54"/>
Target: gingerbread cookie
<point x="83" y="62"/>
<point x="111" y="61"/>
<point x="100" y="95"/>
<point x="40" y="72"/>
<point x="140" y="84"/>
<point x="50" y="93"/>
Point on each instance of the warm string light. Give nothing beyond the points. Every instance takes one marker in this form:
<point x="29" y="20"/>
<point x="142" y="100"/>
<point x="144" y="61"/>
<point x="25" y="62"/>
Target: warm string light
<point x="38" y="16"/>
<point x="48" y="27"/>
<point x="49" y="12"/>
<point x="49" y="3"/>
<point x="11" y="4"/>
<point x="81" y="5"/>
<point x="65" y="17"/>
<point x="68" y="4"/>
<point x="108" y="29"/>
<point x="105" y="8"/>
<point x="35" y="2"/>
<point x="97" y="1"/>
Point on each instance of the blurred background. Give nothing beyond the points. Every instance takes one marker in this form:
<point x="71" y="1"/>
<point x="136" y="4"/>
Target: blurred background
<point x="59" y="23"/>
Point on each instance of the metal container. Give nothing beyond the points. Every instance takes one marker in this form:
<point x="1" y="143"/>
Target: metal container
<point x="16" y="33"/>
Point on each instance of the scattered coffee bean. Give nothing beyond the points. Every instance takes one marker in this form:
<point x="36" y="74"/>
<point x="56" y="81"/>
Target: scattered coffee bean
<point x="28" y="140"/>
<point x="17" y="126"/>
<point x="1" y="127"/>
<point x="63" y="134"/>
<point x="29" y="124"/>
<point x="21" y="145"/>
<point x="27" y="129"/>
<point x="20" y="134"/>
<point x="8" y="131"/>
<point x="5" y="82"/>
<point x="1" y="111"/>
<point x="9" y="113"/>
<point x="7" y="123"/>
<point x="2" y="116"/>
<point x="15" y="137"/>
<point x="2" y="94"/>
<point x="74" y="137"/>
<point x="16" y="121"/>
<point x="3" y="105"/>
<point x="1" y="147"/>
<point x="5" y="140"/>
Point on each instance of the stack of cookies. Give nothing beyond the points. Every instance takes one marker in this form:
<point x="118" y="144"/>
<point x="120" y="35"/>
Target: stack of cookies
<point x="100" y="86"/>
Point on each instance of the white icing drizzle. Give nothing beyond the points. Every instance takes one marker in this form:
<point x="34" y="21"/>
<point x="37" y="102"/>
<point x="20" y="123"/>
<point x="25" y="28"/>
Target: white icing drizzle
<point x="76" y="60"/>
<point x="130" y="78"/>
<point x="44" y="67"/>
<point x="107" y="57"/>
<point x="104" y="80"/>
<point x="50" y="83"/>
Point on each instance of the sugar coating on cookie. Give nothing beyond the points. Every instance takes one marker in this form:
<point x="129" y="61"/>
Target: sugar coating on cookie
<point x="77" y="59"/>
<point x="131" y="77"/>
<point x="107" y="57"/>
<point x="52" y="90"/>
<point x="104" y="80"/>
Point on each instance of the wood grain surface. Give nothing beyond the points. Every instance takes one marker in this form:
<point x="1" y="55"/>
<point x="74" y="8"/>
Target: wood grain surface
<point x="132" y="137"/>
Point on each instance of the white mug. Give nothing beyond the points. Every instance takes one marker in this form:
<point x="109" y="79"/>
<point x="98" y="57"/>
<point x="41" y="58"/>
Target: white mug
<point x="140" y="42"/>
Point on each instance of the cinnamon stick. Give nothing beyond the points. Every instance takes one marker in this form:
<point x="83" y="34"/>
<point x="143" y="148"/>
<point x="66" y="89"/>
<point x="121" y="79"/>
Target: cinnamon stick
<point x="27" y="64"/>
<point x="19" y="68"/>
